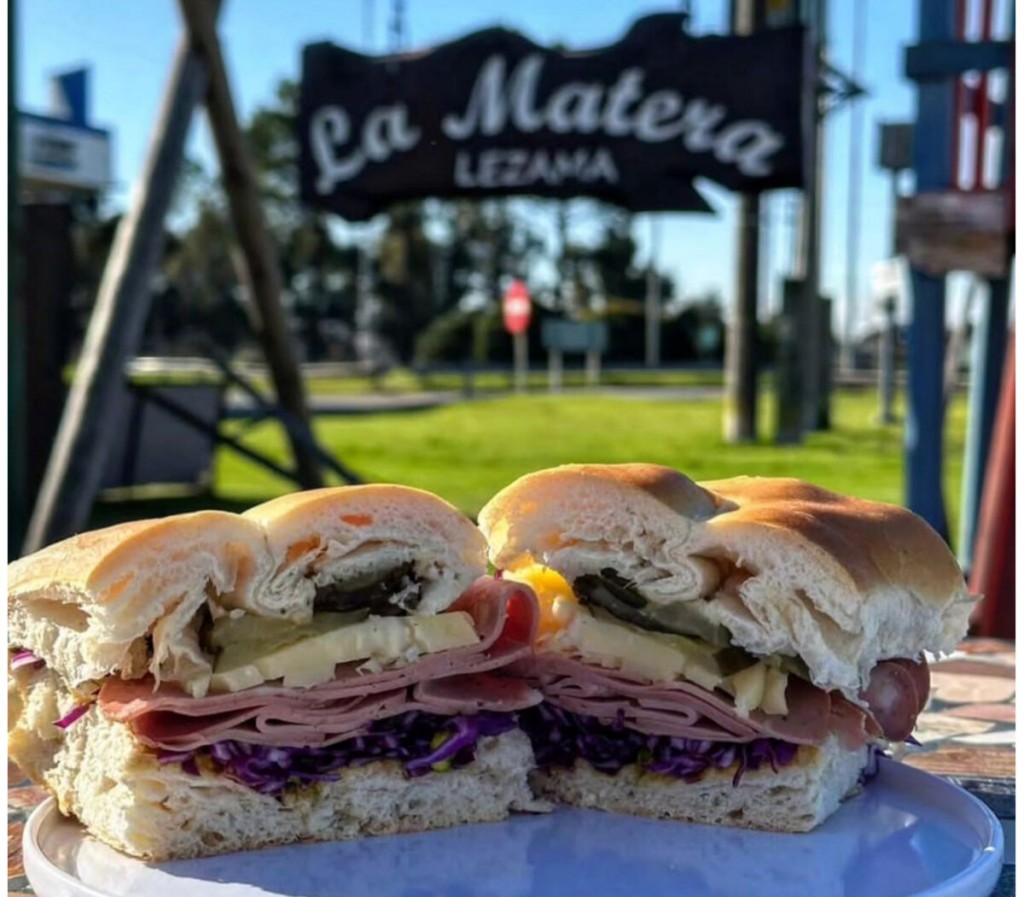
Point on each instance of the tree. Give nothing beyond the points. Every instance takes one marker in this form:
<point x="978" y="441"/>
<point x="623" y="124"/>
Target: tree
<point x="696" y="332"/>
<point x="604" y="279"/>
<point x="200" y="299"/>
<point x="405" y="268"/>
<point x="201" y="266"/>
<point x="481" y="245"/>
<point x="318" y="267"/>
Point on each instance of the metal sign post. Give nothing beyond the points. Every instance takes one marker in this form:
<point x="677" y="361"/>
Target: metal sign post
<point x="739" y="419"/>
<point x="516" y="311"/>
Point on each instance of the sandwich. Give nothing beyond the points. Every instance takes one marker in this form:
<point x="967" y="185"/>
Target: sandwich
<point x="732" y="653"/>
<point x="326" y="665"/>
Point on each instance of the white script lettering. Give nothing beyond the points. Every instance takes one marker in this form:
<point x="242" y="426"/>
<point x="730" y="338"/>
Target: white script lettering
<point x="503" y="101"/>
<point x="517" y="168"/>
<point x="385" y="132"/>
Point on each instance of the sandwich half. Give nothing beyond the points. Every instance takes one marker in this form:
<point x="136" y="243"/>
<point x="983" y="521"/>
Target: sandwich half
<point x="728" y="653"/>
<point x="326" y="665"/>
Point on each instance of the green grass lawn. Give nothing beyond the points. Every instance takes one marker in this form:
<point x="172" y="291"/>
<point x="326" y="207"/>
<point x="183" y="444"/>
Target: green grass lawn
<point x="405" y="380"/>
<point x="466" y="452"/>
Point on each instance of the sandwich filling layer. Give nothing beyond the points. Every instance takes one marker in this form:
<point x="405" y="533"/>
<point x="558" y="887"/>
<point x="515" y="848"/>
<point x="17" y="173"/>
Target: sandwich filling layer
<point x="428" y="711"/>
<point x="618" y="694"/>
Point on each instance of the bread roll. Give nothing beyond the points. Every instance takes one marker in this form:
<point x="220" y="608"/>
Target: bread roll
<point x="139" y="601"/>
<point x="87" y="605"/>
<point x="101" y="775"/>
<point x="786" y="567"/>
<point x="797" y="798"/>
<point x="692" y="630"/>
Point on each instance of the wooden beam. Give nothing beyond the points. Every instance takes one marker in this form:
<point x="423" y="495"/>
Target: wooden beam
<point x="926" y="336"/>
<point x="79" y="453"/>
<point x="152" y="394"/>
<point x="263" y="275"/>
<point x="265" y="409"/>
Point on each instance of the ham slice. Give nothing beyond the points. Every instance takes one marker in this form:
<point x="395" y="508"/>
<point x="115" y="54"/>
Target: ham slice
<point x="461" y="680"/>
<point x="853" y="725"/>
<point x="678" y="709"/>
<point x="685" y="710"/>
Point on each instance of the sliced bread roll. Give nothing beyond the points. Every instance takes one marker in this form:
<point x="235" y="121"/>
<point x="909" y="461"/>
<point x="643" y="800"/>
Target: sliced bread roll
<point x="129" y="599"/>
<point x="323" y="536"/>
<point x="728" y="653"/>
<point x="101" y="775"/>
<point x="87" y="605"/>
<point x="786" y="567"/>
<point x="118" y="672"/>
<point x="796" y="798"/>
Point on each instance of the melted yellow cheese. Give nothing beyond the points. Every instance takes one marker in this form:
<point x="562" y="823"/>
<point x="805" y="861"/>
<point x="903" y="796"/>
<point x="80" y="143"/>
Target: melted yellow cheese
<point x="558" y="603"/>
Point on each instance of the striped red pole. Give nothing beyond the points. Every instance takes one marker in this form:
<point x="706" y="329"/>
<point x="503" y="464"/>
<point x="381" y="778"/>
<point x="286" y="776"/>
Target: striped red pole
<point x="992" y="572"/>
<point x="981" y="105"/>
<point x="959" y="99"/>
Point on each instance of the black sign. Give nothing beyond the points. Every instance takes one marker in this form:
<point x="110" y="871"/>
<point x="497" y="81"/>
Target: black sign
<point x="496" y="114"/>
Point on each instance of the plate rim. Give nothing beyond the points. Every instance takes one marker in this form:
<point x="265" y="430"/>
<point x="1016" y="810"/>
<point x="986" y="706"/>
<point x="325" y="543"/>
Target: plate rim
<point x="33" y="855"/>
<point x="988" y="862"/>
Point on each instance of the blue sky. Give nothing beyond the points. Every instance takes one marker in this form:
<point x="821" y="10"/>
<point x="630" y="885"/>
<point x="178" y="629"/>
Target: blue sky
<point x="129" y="45"/>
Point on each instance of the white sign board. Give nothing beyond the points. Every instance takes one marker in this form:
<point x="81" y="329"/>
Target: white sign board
<point x="888" y="278"/>
<point x="52" y="153"/>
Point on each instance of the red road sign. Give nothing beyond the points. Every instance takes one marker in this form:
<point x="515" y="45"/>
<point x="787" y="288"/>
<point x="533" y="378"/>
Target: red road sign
<point x="516" y="307"/>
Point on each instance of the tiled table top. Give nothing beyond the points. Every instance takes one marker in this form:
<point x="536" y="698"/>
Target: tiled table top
<point x="967" y="733"/>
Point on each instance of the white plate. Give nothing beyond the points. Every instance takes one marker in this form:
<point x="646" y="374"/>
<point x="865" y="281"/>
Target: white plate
<point x="908" y="833"/>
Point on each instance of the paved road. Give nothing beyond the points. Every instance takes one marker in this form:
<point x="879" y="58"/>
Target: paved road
<point x="373" y="403"/>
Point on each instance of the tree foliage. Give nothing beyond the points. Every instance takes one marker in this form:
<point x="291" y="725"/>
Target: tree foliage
<point x="431" y="271"/>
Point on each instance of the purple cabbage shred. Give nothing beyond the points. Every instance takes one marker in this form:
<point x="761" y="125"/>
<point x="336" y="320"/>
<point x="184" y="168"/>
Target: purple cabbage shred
<point x="560" y="738"/>
<point x="72" y="716"/>
<point x="24" y="658"/>
<point x="423" y="742"/>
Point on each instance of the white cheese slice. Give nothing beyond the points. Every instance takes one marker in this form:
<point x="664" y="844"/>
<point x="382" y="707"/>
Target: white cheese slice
<point x="311" y="661"/>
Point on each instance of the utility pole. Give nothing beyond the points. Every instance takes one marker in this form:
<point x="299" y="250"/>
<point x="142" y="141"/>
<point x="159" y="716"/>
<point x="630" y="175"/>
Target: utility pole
<point x="652" y="301"/>
<point x="809" y="263"/>
<point x="895" y="156"/>
<point x="853" y="201"/>
<point x="739" y="422"/>
<point x="890" y="331"/>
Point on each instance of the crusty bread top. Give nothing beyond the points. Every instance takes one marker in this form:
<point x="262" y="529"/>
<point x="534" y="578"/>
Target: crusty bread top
<point x="98" y="562"/>
<point x="87" y="604"/>
<point x="669" y="487"/>
<point x="874" y="542"/>
<point x="379" y="509"/>
<point x="794" y="569"/>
